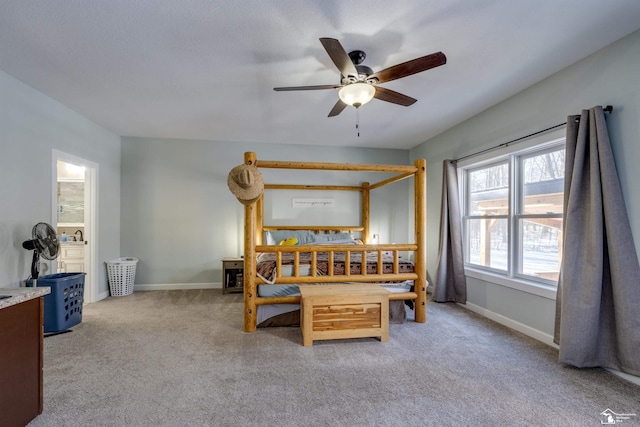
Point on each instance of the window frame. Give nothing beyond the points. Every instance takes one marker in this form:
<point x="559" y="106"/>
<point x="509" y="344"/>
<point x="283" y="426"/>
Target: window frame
<point x="467" y="205"/>
<point x="519" y="208"/>
<point x="512" y="155"/>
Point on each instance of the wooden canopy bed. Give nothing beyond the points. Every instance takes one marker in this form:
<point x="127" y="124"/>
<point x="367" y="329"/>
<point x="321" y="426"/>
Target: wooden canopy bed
<point x="383" y="261"/>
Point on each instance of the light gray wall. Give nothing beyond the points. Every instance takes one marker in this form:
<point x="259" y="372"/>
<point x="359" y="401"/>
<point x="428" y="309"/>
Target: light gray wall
<point x="180" y="219"/>
<point x="31" y="126"/>
<point x="609" y="76"/>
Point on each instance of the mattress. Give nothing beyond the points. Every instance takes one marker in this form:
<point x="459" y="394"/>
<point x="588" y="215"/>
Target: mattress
<point x="289" y="314"/>
<point x="281" y="290"/>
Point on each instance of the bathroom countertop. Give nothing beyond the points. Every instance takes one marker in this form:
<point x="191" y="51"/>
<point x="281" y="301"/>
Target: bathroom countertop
<point x="19" y="295"/>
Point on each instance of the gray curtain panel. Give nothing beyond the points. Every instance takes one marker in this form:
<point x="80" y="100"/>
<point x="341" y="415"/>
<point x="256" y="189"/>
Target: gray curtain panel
<point x="598" y="301"/>
<point x="450" y="283"/>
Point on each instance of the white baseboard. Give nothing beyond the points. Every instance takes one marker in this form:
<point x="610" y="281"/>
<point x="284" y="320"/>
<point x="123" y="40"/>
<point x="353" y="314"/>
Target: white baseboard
<point x="102" y="296"/>
<point x="177" y="286"/>
<point x="510" y="323"/>
<point x="533" y="333"/>
<point x="623" y="375"/>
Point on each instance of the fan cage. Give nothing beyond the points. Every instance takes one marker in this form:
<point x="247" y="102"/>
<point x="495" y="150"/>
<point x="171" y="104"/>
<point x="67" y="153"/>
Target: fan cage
<point x="45" y="241"/>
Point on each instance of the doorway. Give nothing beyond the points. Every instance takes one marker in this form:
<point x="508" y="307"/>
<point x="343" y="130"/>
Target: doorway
<point x="74" y="211"/>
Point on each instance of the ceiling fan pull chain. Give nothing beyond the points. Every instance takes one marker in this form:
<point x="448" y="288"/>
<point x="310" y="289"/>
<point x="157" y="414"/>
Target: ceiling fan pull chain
<point x="358" y="121"/>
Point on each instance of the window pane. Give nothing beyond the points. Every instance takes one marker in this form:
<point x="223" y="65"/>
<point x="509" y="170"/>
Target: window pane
<point x="541" y="247"/>
<point x="543" y="183"/>
<point x="488" y="241"/>
<point x="489" y="190"/>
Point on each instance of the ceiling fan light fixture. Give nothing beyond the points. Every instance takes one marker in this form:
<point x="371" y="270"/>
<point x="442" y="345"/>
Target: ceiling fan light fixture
<point x="357" y="94"/>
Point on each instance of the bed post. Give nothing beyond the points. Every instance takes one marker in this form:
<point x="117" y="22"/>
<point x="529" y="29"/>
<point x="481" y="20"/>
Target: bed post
<point x="365" y="212"/>
<point x="250" y="258"/>
<point x="420" y="188"/>
<point x="259" y="220"/>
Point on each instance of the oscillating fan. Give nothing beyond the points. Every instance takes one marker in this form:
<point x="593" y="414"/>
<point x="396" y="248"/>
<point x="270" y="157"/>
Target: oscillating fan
<point x="44" y="242"/>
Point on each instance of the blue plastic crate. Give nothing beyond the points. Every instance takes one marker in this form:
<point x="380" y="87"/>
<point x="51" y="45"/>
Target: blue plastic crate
<point x="63" y="306"/>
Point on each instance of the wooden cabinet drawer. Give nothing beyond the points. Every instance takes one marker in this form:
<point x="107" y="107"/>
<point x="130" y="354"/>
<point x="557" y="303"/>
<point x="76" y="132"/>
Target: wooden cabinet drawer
<point x="233" y="264"/>
<point x="71" y="259"/>
<point x="335" y="317"/>
<point x="73" y="252"/>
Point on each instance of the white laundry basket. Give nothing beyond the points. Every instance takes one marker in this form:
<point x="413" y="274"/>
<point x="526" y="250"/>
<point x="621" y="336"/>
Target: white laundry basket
<point x="122" y="275"/>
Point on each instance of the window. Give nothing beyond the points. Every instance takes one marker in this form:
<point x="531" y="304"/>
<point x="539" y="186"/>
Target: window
<point x="513" y="207"/>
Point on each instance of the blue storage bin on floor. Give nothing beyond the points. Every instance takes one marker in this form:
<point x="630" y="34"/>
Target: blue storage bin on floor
<point x="63" y="306"/>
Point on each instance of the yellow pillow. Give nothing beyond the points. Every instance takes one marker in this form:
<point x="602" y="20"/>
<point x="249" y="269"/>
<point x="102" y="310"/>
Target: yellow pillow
<point x="291" y="241"/>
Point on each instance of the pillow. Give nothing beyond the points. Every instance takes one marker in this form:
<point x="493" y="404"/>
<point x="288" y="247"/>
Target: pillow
<point x="291" y="241"/>
<point x="267" y="239"/>
<point x="331" y="237"/>
<point x="274" y="237"/>
<point x="337" y="242"/>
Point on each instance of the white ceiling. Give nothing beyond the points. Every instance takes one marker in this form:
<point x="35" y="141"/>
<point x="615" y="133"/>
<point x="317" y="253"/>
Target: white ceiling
<point x="197" y="69"/>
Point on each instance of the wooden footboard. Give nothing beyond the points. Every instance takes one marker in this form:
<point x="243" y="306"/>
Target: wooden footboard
<point x="328" y="252"/>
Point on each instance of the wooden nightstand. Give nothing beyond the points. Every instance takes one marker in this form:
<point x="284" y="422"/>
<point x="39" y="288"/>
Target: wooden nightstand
<point x="232" y="275"/>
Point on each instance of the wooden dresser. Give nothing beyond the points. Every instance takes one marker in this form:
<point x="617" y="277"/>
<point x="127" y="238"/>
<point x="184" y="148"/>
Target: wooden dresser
<point x="21" y="355"/>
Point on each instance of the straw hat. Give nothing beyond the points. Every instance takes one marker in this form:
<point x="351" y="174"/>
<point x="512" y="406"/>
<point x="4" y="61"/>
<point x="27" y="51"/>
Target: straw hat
<point x="245" y="182"/>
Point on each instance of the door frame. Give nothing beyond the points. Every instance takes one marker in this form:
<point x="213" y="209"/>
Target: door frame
<point x="91" y="216"/>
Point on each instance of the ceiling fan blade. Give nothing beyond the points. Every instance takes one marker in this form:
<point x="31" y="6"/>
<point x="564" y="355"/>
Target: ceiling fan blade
<point x="337" y="109"/>
<point x="278" y="89"/>
<point x="410" y="67"/>
<point x="392" y="96"/>
<point x="339" y="57"/>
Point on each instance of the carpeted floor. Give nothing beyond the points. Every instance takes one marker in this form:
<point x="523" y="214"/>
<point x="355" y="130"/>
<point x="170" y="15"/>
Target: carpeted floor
<point x="180" y="358"/>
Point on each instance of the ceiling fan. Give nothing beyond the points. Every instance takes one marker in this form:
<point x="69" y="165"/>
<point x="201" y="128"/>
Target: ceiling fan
<point x="359" y="84"/>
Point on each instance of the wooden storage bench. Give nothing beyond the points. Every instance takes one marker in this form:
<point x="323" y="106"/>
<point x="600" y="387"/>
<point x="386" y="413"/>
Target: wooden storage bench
<point x="343" y="311"/>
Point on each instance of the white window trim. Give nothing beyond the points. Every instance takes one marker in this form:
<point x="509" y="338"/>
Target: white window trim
<point x="535" y="288"/>
<point x="536" y="143"/>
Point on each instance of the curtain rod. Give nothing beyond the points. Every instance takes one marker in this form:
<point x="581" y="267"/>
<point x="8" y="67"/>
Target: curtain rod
<point x="607" y="109"/>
